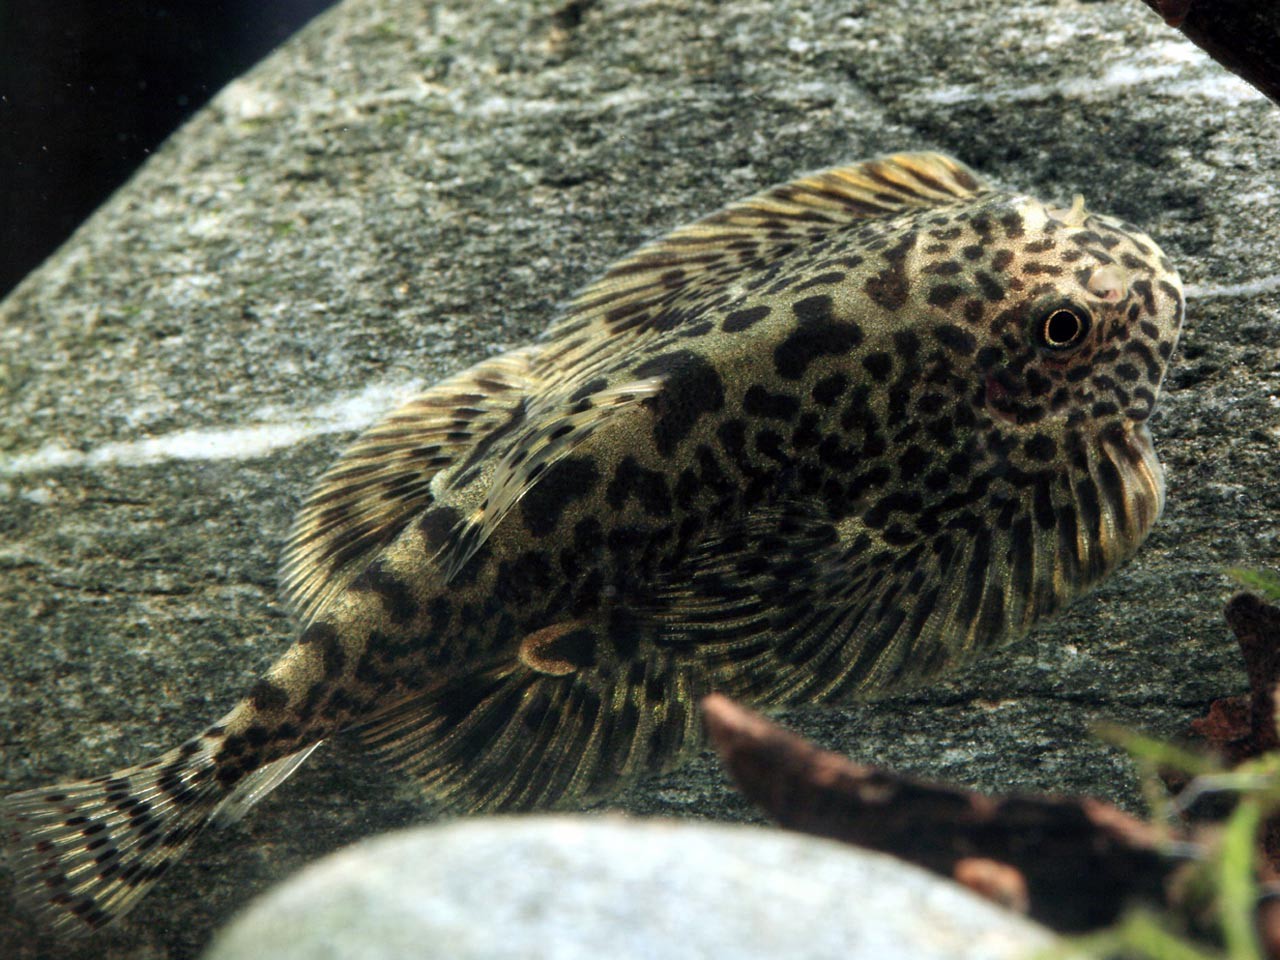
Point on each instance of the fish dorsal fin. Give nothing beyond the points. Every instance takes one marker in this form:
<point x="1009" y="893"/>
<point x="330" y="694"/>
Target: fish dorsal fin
<point x="555" y="428"/>
<point x="652" y="289"/>
<point x="365" y="499"/>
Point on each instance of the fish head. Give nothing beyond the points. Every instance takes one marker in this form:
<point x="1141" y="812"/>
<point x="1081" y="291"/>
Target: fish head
<point x="1090" y="315"/>
<point x="1059" y="325"/>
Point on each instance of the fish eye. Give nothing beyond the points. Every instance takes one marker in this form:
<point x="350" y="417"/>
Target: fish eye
<point x="1062" y="327"/>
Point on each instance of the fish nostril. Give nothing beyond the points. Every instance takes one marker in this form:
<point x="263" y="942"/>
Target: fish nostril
<point x="1109" y="283"/>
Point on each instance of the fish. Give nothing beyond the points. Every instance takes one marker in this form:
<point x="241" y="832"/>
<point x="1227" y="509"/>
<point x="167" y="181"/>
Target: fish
<point x="823" y="444"/>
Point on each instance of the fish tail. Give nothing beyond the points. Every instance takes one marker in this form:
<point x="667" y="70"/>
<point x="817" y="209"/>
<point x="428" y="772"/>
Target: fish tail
<point x="84" y="852"/>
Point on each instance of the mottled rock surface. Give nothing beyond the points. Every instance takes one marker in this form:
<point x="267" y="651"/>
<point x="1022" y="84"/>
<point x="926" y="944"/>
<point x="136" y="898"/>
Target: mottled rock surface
<point x="579" y="888"/>
<point x="407" y="187"/>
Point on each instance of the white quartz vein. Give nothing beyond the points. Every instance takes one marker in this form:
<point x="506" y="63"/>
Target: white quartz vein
<point x="1179" y="78"/>
<point x="272" y="428"/>
<point x="1248" y="288"/>
<point x="268" y="429"/>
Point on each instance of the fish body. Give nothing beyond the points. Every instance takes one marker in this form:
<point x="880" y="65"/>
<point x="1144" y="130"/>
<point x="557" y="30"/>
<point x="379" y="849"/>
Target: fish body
<point x="823" y="444"/>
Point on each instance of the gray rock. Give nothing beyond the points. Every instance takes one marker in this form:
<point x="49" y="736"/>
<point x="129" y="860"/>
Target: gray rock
<point x="569" y="888"/>
<point x="406" y="187"/>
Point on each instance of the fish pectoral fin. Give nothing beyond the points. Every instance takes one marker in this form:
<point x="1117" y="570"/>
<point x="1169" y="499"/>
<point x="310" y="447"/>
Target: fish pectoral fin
<point x="365" y="499"/>
<point x="648" y="291"/>
<point x="559" y="424"/>
<point x="514" y="737"/>
<point x="790" y="606"/>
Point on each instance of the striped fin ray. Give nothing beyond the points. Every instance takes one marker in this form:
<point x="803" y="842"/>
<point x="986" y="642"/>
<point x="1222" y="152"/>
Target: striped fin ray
<point x="792" y="607"/>
<point x="838" y="625"/>
<point x="385" y="479"/>
<point x="85" y="852"/>
<point x="555" y="429"/>
<point x="256" y="785"/>
<point x="676" y="276"/>
<point x="511" y="738"/>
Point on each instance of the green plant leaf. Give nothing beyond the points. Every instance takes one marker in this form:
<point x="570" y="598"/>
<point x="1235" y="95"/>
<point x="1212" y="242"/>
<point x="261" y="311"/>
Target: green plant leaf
<point x="1263" y="582"/>
<point x="1141" y="934"/>
<point x="1159" y="754"/>
<point x="1237" y="883"/>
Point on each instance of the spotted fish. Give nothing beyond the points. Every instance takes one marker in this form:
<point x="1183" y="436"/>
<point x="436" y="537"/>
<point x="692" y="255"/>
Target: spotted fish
<point x="822" y="444"/>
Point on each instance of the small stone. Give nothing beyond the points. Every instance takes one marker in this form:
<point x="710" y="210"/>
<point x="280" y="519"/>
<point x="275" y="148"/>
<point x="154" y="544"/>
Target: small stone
<point x="583" y="887"/>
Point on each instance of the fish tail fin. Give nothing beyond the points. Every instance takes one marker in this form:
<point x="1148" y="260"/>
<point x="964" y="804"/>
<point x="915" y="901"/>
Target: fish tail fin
<point x="83" y="853"/>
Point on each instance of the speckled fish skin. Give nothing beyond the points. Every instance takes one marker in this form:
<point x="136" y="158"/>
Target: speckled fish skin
<point x="825" y="443"/>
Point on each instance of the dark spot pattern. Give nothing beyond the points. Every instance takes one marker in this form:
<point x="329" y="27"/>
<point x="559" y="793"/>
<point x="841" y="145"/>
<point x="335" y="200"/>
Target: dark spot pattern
<point x="890" y="288"/>
<point x="324" y="638"/>
<point x="692" y="389"/>
<point x="394" y="593"/>
<point x="649" y="487"/>
<point x="818" y="334"/>
<point x="741" y="320"/>
<point x="267" y="696"/>
<point x="759" y="402"/>
<point x="564" y="483"/>
<point x="437" y="527"/>
<point x="828" y="390"/>
<point x="863" y="436"/>
<point x="879" y="365"/>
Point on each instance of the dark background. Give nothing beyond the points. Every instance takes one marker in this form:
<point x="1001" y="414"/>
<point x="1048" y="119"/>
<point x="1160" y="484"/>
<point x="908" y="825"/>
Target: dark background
<point x="88" y="89"/>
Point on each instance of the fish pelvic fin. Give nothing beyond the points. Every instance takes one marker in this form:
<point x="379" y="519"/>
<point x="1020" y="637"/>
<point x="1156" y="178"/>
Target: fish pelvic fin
<point x="256" y="785"/>
<point x="542" y="731"/>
